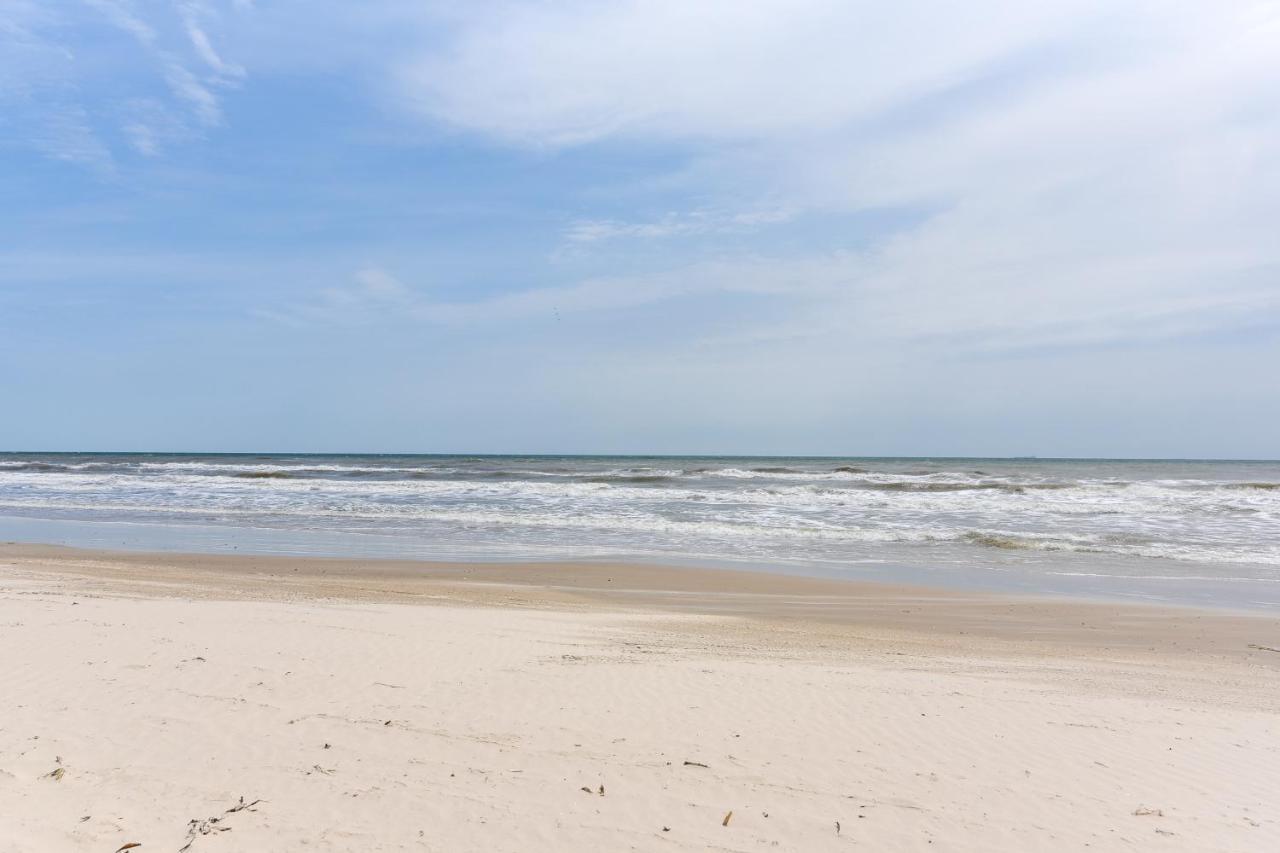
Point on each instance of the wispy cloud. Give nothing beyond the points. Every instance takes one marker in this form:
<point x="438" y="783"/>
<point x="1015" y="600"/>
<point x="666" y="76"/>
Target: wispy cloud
<point x="59" y="107"/>
<point x="64" y="132"/>
<point x="38" y="93"/>
<point x="121" y="13"/>
<point x="194" y="15"/>
<point x="196" y="90"/>
<point x="569" y="73"/>
<point x="1091" y="171"/>
<point x="372" y="295"/>
<point x="675" y="224"/>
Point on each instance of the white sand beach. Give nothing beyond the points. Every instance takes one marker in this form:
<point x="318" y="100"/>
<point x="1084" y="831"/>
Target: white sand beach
<point x="396" y="707"/>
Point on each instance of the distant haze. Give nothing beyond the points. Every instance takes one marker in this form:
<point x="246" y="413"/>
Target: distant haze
<point x="847" y="228"/>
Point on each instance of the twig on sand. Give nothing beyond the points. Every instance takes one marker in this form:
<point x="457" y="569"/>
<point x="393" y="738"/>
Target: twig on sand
<point x="209" y="825"/>
<point x="1263" y="648"/>
<point x="725" y="822"/>
<point x="694" y="764"/>
<point x="242" y="806"/>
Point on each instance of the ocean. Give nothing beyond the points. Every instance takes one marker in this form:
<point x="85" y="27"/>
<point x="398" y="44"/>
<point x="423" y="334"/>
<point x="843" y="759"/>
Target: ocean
<point x="1197" y="532"/>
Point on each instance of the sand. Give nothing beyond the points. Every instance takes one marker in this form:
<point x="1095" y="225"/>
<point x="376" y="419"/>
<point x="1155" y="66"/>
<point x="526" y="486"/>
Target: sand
<point x="361" y="705"/>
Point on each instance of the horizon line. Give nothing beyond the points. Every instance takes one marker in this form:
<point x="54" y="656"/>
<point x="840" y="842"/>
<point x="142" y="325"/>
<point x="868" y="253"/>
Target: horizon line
<point x="636" y="455"/>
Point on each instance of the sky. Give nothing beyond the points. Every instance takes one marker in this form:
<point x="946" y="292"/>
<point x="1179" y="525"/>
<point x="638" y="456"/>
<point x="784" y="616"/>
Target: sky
<point x="800" y="227"/>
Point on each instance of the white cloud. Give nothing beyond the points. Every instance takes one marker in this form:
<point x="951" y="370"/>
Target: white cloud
<point x="676" y="224"/>
<point x="1077" y="171"/>
<point x="199" y="97"/>
<point x="376" y="296"/>
<point x="1089" y="172"/>
<point x="564" y="73"/>
<point x="39" y="107"/>
<point x="121" y="13"/>
<point x="54" y="104"/>
<point x="192" y="15"/>
<point x="372" y="295"/>
<point x="64" y="132"/>
<point x="183" y="82"/>
<point x="378" y="284"/>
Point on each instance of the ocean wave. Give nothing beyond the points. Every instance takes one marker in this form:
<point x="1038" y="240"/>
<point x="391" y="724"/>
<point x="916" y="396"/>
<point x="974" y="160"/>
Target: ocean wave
<point x="61" y="468"/>
<point x="637" y="479"/>
<point x="991" y="513"/>
<point x="705" y="476"/>
<point x="656" y="523"/>
<point x="992" y="540"/>
<point x="1013" y="542"/>
<point x="1122" y="546"/>
<point x="1012" y="488"/>
<point x="32" y="467"/>
<point x="1209" y="578"/>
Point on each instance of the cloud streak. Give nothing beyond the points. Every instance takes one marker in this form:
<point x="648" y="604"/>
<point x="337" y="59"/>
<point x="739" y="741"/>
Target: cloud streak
<point x="1091" y="170"/>
<point x="75" y="115"/>
<point x="569" y="73"/>
<point x="676" y="224"/>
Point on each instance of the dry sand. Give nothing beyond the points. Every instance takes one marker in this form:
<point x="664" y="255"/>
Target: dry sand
<point x="361" y="705"/>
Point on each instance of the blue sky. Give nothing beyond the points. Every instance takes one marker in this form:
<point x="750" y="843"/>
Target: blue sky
<point x="775" y="227"/>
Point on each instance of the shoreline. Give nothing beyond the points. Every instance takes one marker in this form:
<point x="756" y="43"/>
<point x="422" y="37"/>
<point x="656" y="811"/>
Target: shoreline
<point x="1173" y="531"/>
<point x="903" y="610"/>
<point x="998" y="577"/>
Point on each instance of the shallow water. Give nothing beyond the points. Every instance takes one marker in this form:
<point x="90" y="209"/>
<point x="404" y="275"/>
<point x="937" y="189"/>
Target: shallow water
<point x="1190" y="531"/>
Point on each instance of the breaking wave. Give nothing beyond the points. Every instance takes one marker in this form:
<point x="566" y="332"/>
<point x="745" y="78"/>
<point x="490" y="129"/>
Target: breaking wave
<point x="951" y="511"/>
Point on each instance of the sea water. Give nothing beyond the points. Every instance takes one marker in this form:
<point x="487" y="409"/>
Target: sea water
<point x="1181" y="531"/>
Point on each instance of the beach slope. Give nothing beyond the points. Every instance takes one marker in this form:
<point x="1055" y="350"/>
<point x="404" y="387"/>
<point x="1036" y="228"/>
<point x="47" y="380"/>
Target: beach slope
<point x="205" y="704"/>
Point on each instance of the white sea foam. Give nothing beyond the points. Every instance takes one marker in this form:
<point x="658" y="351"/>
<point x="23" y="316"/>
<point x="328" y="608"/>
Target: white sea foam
<point x="829" y="511"/>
